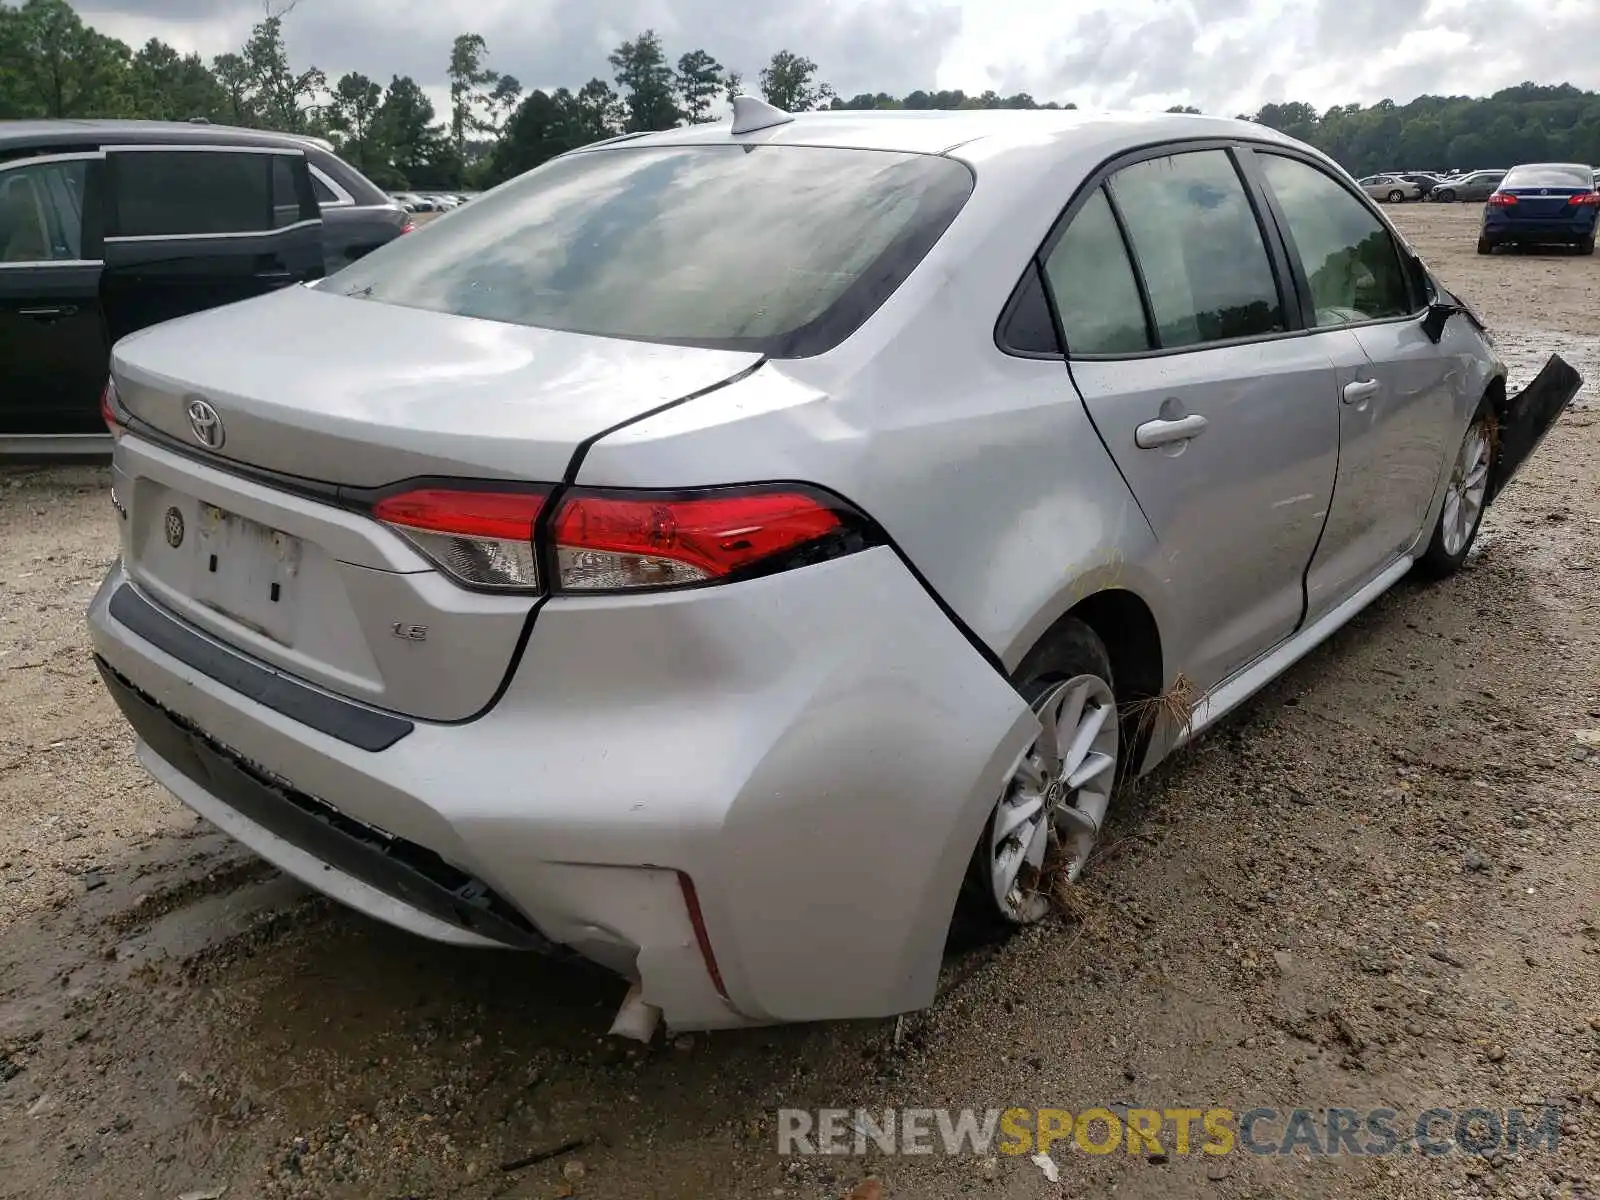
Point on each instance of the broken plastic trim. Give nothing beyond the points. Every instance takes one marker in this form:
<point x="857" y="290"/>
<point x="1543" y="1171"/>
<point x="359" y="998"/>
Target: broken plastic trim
<point x="1529" y="416"/>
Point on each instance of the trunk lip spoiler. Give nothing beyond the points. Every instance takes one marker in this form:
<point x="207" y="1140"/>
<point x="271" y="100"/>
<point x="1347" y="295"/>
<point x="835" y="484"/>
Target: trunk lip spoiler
<point x="1528" y="417"/>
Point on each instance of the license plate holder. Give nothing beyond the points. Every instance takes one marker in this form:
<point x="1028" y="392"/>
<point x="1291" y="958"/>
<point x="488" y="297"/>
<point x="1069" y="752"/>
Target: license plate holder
<point x="247" y="571"/>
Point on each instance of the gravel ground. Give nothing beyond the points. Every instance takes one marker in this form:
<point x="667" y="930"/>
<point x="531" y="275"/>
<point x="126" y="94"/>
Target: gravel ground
<point x="1377" y="886"/>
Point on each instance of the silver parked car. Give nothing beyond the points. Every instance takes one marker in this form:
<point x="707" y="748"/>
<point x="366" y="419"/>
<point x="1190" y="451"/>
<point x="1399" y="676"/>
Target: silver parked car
<point x="733" y="552"/>
<point x="1391" y="188"/>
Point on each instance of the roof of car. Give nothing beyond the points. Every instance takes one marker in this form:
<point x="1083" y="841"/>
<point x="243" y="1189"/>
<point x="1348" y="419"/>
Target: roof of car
<point x="939" y="131"/>
<point x="66" y="132"/>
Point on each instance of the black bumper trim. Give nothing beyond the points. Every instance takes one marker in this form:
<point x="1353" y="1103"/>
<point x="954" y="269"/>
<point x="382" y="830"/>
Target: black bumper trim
<point x="1528" y="417"/>
<point x="353" y="724"/>
<point x="403" y="870"/>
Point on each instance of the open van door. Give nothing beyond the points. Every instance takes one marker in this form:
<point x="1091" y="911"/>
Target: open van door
<point x="191" y="227"/>
<point x="53" y="347"/>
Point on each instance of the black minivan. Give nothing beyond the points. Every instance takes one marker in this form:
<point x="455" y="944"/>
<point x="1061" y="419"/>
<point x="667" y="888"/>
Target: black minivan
<point x="109" y="226"/>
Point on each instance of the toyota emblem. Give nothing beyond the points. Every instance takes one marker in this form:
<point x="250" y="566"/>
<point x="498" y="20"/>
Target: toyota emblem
<point x="206" y="425"/>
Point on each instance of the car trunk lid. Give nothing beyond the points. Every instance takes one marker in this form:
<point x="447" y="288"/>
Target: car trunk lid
<point x="264" y="542"/>
<point x="360" y="394"/>
<point x="1540" y="204"/>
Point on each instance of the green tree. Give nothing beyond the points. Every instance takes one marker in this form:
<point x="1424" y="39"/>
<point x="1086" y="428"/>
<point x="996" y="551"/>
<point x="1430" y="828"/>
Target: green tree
<point x="502" y="101"/>
<point x="647" y="83"/>
<point x="598" y="112"/>
<point x="233" y="77"/>
<point x="354" y="112"/>
<point x="53" y="65"/>
<point x="406" y="125"/>
<point x="701" y="80"/>
<point x="789" y="81"/>
<point x="167" y="86"/>
<point x="282" y="97"/>
<point x="470" y="80"/>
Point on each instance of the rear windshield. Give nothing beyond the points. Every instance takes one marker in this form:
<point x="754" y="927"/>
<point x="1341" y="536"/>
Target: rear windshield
<point x="783" y="250"/>
<point x="1556" y="175"/>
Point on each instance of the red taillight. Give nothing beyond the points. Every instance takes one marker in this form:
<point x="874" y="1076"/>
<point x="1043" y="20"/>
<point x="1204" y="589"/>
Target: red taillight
<point x="409" y="227"/>
<point x="1586" y="199"/>
<point x="111" y="409"/>
<point x="609" y="541"/>
<point x="484" y="538"/>
<point x="1501" y="200"/>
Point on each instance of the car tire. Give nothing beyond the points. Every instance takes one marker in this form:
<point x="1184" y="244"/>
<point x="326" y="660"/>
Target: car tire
<point x="1396" y="197"/>
<point x="1485" y="245"/>
<point x="1586" y="246"/>
<point x="1068" y="680"/>
<point x="1455" y="532"/>
<point x="1446" y="196"/>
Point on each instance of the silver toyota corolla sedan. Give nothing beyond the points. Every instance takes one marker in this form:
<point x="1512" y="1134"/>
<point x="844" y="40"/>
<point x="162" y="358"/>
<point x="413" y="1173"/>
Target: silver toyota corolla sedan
<point x="733" y="553"/>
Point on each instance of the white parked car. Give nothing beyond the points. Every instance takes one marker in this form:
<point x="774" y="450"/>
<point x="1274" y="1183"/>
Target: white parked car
<point x="1390" y="188"/>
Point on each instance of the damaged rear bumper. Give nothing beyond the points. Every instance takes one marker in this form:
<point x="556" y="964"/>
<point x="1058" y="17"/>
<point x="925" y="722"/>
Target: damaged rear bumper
<point x="1529" y="416"/>
<point x="756" y="802"/>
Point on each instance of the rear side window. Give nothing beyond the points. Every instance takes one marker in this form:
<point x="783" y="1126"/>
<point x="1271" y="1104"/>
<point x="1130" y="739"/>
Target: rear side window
<point x="783" y="250"/>
<point x="1092" y="283"/>
<point x="1348" y="254"/>
<point x="1551" y="175"/>
<point x="1200" y="249"/>
<point x="285" y="193"/>
<point x="323" y="192"/>
<point x="41" y="212"/>
<point x="161" y="193"/>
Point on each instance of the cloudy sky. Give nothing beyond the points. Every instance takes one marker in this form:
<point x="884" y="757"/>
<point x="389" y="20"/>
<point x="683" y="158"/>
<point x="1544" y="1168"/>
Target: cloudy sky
<point x="1222" y="55"/>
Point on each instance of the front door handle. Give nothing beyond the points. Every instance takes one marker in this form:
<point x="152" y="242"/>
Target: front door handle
<point x="1163" y="433"/>
<point x="1360" y="391"/>
<point x="48" y="312"/>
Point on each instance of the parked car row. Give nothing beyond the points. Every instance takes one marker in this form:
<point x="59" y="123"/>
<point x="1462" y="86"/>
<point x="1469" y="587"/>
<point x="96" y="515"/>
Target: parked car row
<point x="419" y="202"/>
<point x="110" y="226"/>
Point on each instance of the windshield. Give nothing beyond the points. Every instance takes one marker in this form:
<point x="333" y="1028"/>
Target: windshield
<point x="783" y="250"/>
<point x="1546" y="175"/>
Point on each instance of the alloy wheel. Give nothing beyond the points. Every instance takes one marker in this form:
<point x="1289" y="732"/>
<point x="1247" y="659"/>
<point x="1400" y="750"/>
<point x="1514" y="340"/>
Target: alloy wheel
<point x="1047" y="822"/>
<point x="1469" y="482"/>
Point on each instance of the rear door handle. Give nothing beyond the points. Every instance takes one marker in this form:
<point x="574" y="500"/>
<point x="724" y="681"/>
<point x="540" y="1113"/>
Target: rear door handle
<point x="1361" y="391"/>
<point x="1163" y="433"/>
<point x="276" y="278"/>
<point x="48" y="312"/>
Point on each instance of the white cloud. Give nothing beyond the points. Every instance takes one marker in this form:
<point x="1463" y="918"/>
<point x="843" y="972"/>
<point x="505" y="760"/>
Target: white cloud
<point x="1221" y="55"/>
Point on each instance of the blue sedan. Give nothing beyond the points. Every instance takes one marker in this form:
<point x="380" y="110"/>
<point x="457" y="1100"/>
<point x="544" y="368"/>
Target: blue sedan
<point x="1551" y="203"/>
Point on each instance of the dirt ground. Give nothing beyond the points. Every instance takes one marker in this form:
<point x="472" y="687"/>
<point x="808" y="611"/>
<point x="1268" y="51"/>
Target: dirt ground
<point x="1377" y="886"/>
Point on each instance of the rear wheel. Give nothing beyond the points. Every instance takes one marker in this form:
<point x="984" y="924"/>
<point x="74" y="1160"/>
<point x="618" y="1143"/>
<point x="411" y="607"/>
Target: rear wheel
<point x="1048" y="818"/>
<point x="1396" y="196"/>
<point x="1462" y="514"/>
<point x="1587" y="245"/>
<point x="1485" y="244"/>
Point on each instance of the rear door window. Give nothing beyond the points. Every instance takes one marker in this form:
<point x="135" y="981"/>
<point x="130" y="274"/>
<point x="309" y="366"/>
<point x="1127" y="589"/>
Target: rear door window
<point x="41" y="211"/>
<point x="324" y="193"/>
<point x="286" y="205"/>
<point x="1200" y="249"/>
<point x="1348" y="255"/>
<point x="172" y="192"/>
